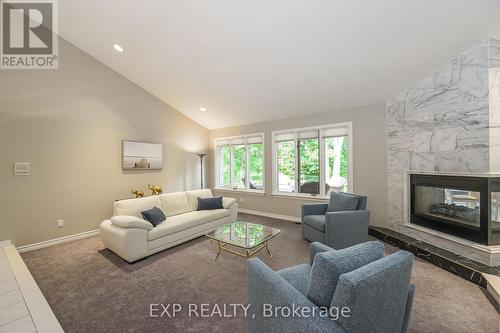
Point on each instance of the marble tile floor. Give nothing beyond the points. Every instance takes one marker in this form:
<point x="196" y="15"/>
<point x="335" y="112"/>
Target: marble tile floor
<point x="14" y="314"/>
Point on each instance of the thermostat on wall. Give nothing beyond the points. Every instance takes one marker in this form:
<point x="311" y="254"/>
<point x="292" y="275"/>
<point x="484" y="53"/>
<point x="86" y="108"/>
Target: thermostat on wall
<point x="22" y="169"/>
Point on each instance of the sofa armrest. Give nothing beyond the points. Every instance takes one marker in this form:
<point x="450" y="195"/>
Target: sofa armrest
<point x="228" y="202"/>
<point x="267" y="288"/>
<point x="125" y="221"/>
<point x="129" y="243"/>
<point x="346" y="228"/>
<point x="315" y="248"/>
<point x="313" y="209"/>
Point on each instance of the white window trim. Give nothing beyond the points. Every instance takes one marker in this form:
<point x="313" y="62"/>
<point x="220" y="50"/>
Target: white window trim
<point x="216" y="162"/>
<point x="350" y="178"/>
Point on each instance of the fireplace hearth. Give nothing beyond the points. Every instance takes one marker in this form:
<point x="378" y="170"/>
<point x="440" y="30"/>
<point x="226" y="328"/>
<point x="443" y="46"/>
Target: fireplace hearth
<point x="462" y="206"/>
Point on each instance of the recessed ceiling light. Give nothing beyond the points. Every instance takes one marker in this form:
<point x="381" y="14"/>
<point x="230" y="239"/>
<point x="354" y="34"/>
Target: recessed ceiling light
<point x="203" y="109"/>
<point x="118" y="48"/>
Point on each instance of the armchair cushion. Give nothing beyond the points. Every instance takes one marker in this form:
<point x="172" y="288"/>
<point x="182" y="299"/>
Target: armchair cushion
<point x="379" y="295"/>
<point x="342" y="202"/>
<point x="127" y="221"/>
<point x="317" y="247"/>
<point x="329" y="266"/>
<point x="315" y="221"/>
<point x="297" y="276"/>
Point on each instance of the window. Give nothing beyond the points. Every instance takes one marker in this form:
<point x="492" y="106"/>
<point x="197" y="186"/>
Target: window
<point x="312" y="161"/>
<point x="240" y="162"/>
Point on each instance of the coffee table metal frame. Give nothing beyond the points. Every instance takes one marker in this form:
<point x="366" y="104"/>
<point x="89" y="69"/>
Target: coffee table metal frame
<point x="247" y="252"/>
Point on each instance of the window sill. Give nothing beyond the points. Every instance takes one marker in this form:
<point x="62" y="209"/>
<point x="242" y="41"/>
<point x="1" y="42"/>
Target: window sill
<point x="298" y="196"/>
<point x="250" y="192"/>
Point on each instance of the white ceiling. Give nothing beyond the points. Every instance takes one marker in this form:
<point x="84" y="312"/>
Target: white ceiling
<point x="257" y="60"/>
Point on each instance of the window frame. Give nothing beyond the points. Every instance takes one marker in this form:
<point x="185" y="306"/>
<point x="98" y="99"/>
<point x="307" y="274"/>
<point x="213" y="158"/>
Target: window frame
<point x="244" y="137"/>
<point x="322" y="157"/>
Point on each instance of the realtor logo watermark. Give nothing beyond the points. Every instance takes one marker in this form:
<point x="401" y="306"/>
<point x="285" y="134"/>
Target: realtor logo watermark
<point x="29" y="34"/>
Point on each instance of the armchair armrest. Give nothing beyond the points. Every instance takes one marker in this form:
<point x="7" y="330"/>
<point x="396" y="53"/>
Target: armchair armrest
<point x="315" y="248"/>
<point x="313" y="209"/>
<point x="126" y="221"/>
<point x="346" y="228"/>
<point x="228" y="202"/>
<point x="265" y="287"/>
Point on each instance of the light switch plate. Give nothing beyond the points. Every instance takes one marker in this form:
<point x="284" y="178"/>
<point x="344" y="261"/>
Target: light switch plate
<point x="22" y="169"/>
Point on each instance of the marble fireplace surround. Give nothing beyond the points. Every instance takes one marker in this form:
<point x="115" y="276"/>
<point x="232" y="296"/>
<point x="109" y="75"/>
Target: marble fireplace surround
<point x="446" y="123"/>
<point x="488" y="255"/>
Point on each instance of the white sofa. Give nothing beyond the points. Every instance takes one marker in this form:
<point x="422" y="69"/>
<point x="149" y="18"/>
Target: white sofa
<point x="133" y="238"/>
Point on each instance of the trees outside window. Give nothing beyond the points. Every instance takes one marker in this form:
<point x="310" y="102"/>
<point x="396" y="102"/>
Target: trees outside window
<point x="240" y="166"/>
<point x="224" y="166"/>
<point x="336" y="176"/>
<point x="256" y="166"/>
<point x="309" y="166"/>
<point x="286" y="166"/>
<point x="313" y="161"/>
<point x="240" y="162"/>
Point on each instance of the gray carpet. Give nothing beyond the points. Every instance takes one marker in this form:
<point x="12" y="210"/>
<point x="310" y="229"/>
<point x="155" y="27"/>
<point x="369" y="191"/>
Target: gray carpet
<point x="90" y="289"/>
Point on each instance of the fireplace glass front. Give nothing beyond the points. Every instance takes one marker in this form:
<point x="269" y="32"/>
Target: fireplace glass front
<point x="454" y="207"/>
<point x="462" y="206"/>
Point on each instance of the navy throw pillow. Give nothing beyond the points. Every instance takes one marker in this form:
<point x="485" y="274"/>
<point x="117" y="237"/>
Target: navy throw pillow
<point x="210" y="203"/>
<point x="154" y="215"/>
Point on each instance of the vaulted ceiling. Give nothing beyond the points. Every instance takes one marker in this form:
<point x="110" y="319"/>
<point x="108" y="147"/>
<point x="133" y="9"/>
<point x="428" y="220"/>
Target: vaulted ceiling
<point x="247" y="61"/>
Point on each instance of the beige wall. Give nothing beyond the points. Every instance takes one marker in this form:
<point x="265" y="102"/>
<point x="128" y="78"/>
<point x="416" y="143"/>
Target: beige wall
<point x="69" y="124"/>
<point x="369" y="160"/>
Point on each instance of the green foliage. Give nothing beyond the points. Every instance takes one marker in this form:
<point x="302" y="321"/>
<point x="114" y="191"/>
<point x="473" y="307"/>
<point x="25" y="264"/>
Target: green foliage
<point x="239" y="165"/>
<point x="309" y="160"/>
<point x="256" y="161"/>
<point x="224" y="165"/>
<point x="256" y="152"/>
<point x="286" y="158"/>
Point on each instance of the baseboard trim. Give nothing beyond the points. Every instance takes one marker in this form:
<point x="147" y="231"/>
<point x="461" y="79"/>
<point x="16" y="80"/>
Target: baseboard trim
<point x="5" y="243"/>
<point x="41" y="245"/>
<point x="271" y="215"/>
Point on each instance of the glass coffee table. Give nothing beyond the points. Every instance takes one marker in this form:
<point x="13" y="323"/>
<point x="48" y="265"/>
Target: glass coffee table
<point x="246" y="238"/>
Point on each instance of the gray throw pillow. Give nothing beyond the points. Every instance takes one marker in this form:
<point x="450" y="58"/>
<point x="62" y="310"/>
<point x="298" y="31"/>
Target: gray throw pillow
<point x="210" y="203"/>
<point x="329" y="266"/>
<point x="154" y="215"/>
<point x="341" y="202"/>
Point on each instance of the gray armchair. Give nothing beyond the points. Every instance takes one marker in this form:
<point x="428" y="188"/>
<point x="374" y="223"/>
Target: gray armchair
<point x="346" y="223"/>
<point x="378" y="295"/>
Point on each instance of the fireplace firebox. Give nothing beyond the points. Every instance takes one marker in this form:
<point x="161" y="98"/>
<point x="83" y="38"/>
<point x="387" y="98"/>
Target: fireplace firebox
<point x="462" y="206"/>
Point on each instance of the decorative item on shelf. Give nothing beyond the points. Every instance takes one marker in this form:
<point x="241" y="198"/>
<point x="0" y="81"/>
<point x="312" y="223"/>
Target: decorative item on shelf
<point x="137" y="193"/>
<point x="201" y="155"/>
<point x="155" y="189"/>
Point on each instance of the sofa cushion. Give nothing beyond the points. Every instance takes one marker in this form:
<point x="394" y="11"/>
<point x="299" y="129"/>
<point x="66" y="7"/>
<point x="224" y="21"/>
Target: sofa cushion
<point x="298" y="276"/>
<point x="185" y="221"/>
<point x="193" y="196"/>
<point x="135" y="206"/>
<point x="342" y="202"/>
<point x="209" y="203"/>
<point x="174" y="203"/>
<point x="315" y="221"/>
<point x="329" y="266"/>
<point x="154" y="215"/>
<point x="127" y="221"/>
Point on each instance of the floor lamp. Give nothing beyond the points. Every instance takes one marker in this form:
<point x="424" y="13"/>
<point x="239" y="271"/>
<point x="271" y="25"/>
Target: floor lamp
<point x="201" y="155"/>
